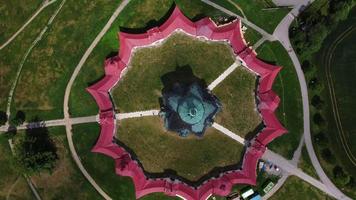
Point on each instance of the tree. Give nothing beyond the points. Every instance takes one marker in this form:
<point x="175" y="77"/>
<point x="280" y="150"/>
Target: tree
<point x="3" y="118"/>
<point x="19" y="118"/>
<point x="341" y="176"/>
<point x="35" y="151"/>
<point x="327" y="155"/>
<point x="321" y="139"/>
<point x="318" y="119"/>
<point x="317" y="102"/>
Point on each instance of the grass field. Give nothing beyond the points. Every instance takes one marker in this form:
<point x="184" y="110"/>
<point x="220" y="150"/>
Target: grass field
<point x="150" y="12"/>
<point x="287" y="87"/>
<point x="101" y="167"/>
<point x="251" y="36"/>
<point x="66" y="179"/>
<point x="306" y="165"/>
<point x="256" y="12"/>
<point x="141" y="87"/>
<point x="63" y="183"/>
<point x="42" y="82"/>
<point x="296" y="189"/>
<point x="9" y="175"/>
<point x="11" y="55"/>
<point x="191" y="157"/>
<point x="13" y="14"/>
<point x="341" y="69"/>
<point x="237" y="96"/>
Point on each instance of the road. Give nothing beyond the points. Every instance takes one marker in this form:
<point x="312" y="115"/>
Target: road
<point x="286" y="165"/>
<point x="282" y="35"/>
<point x="44" y="5"/>
<point x="67" y="95"/>
<point x="245" y="21"/>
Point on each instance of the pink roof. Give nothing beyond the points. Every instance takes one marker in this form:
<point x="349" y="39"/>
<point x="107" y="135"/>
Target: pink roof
<point x="268" y="102"/>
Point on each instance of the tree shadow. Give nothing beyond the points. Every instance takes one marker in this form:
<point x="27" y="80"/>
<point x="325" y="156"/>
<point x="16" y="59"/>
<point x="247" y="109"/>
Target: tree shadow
<point x="156" y="23"/>
<point x="173" y="174"/>
<point x="38" y="132"/>
<point x="150" y="24"/>
<point x="182" y="75"/>
<point x="250" y="135"/>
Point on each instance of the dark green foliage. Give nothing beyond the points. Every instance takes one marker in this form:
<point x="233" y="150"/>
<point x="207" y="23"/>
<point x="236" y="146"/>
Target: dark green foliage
<point x="315" y="84"/>
<point x="19" y="118"/>
<point x="316" y="22"/>
<point x="321" y="139"/>
<point x="341" y="177"/>
<point x="317" y="102"/>
<point x="35" y="151"/>
<point x="3" y="118"/>
<point x="328" y="155"/>
<point x="318" y="119"/>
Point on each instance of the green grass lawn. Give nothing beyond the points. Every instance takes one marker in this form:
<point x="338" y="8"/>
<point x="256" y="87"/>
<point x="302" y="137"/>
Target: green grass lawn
<point x="256" y="12"/>
<point x="13" y="14"/>
<point x="46" y="73"/>
<point x="296" y="189"/>
<point x="138" y="14"/>
<point x="11" y="55"/>
<point x="141" y="87"/>
<point x="251" y="36"/>
<point x="342" y="71"/>
<point x="306" y="165"/>
<point x="102" y="168"/>
<point x="63" y="183"/>
<point x="9" y="175"/>
<point x="66" y="180"/>
<point x="287" y="87"/>
<point x="191" y="157"/>
<point x="237" y="96"/>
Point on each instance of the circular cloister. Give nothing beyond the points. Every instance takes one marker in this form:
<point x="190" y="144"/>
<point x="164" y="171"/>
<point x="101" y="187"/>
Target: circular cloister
<point x="187" y="110"/>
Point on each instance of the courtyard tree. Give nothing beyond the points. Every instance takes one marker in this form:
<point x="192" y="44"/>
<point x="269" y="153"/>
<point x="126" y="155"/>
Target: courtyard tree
<point x="35" y="151"/>
<point x="19" y="119"/>
<point x="3" y="118"/>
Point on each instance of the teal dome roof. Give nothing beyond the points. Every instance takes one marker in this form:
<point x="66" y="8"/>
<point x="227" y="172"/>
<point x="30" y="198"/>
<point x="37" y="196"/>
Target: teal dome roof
<point x="189" y="109"/>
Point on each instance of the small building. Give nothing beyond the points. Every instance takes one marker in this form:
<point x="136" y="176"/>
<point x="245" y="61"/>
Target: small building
<point x="268" y="187"/>
<point x="247" y="194"/>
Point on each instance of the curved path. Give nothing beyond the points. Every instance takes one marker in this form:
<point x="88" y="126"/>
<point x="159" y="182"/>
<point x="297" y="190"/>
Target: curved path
<point x="29" y="50"/>
<point x="44" y="5"/>
<point x="282" y="34"/>
<point x="245" y="21"/>
<point x="330" y="83"/>
<point x="67" y="95"/>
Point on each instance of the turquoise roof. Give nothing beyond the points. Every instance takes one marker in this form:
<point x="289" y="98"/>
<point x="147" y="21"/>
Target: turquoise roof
<point x="189" y="109"/>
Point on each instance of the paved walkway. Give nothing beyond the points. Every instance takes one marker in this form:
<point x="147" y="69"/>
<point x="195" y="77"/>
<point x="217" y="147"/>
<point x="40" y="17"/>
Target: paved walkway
<point x="245" y="21"/>
<point x="34" y="43"/>
<point x="282" y="34"/>
<point x="67" y="95"/>
<point x="44" y="5"/>
<point x="50" y="123"/>
<point x="283" y="163"/>
<point x="295" y="160"/>
<point x="146" y="113"/>
<point x="222" y="76"/>
<point x="28" y="179"/>
<point x="228" y="133"/>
